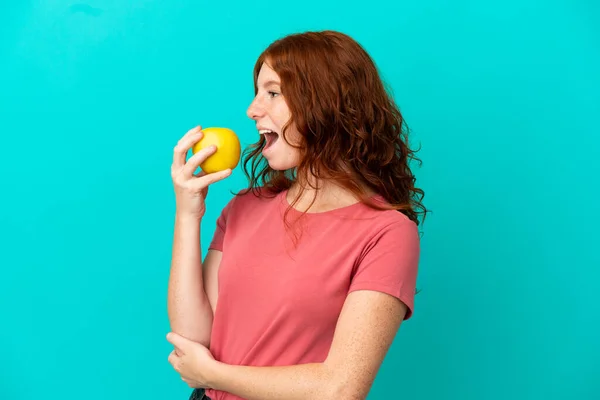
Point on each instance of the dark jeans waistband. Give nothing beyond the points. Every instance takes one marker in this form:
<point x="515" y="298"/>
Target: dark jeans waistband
<point x="199" y="394"/>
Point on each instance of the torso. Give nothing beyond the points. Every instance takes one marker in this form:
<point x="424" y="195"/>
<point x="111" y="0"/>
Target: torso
<point x="278" y="304"/>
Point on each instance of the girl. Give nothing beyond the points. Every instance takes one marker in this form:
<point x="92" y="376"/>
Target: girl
<point x="313" y="267"/>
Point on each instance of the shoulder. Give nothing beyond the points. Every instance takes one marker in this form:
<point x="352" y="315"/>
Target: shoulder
<point x="249" y="199"/>
<point x="388" y="231"/>
<point x="259" y="194"/>
<point x="388" y="261"/>
<point x="392" y="225"/>
<point x="386" y="221"/>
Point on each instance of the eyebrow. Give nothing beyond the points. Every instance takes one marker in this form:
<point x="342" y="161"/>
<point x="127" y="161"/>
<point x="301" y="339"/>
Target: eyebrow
<point x="271" y="82"/>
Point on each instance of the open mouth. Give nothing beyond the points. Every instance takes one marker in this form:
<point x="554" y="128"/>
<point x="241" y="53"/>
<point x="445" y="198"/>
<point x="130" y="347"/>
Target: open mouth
<point x="270" y="137"/>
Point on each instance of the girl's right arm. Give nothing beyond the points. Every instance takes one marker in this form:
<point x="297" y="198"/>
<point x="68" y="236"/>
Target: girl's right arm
<point x="192" y="289"/>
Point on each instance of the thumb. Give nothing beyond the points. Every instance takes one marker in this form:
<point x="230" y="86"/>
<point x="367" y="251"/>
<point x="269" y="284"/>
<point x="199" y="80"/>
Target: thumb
<point x="178" y="341"/>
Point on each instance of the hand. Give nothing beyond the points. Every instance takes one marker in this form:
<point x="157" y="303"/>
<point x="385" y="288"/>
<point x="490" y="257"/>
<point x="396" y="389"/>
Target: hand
<point x="193" y="361"/>
<point x="191" y="189"/>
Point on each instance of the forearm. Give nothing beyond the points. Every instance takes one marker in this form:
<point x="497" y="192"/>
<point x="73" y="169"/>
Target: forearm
<point x="189" y="310"/>
<point x="301" y="382"/>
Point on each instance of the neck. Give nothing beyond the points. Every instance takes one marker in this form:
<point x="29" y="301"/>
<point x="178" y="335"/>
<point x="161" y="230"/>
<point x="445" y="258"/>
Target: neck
<point x="327" y="195"/>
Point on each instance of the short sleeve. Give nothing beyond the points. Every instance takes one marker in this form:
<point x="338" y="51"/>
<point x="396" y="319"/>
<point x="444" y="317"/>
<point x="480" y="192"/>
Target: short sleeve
<point x="220" y="229"/>
<point x="389" y="263"/>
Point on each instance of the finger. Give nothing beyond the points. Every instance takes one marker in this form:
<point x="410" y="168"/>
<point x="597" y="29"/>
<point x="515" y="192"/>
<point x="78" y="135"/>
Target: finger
<point x="195" y="129"/>
<point x="194" y="162"/>
<point x="209" y="179"/>
<point x="172" y="357"/>
<point x="176" y="352"/>
<point x="184" y="144"/>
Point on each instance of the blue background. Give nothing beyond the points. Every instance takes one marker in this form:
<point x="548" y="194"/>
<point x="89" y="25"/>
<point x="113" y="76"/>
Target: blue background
<point x="503" y="97"/>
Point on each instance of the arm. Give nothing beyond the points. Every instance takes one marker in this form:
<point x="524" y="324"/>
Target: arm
<point x="366" y="328"/>
<point x="190" y="308"/>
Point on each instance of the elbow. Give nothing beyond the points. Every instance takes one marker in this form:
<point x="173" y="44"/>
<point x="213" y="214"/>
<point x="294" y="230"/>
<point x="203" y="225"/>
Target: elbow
<point x="345" y="393"/>
<point x="345" y="389"/>
<point x="343" y="382"/>
<point x="194" y="324"/>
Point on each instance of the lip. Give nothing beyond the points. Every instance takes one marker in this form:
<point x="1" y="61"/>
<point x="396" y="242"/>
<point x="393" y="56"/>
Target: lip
<point x="260" y="128"/>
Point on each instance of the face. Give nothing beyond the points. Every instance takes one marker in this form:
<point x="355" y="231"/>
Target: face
<point x="270" y="112"/>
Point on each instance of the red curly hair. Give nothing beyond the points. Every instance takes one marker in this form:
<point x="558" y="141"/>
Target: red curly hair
<point x="346" y="118"/>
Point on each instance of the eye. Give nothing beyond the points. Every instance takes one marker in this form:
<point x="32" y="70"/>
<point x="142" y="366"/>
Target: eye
<point x="273" y="94"/>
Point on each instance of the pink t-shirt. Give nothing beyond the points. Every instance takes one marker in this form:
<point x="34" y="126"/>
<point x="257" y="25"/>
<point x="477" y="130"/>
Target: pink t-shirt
<point x="279" y="304"/>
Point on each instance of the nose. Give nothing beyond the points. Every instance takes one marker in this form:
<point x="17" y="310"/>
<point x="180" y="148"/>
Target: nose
<point x="255" y="110"/>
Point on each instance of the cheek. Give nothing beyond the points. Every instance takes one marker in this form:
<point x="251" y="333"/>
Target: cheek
<point x="290" y="156"/>
<point x="292" y="136"/>
<point x="291" y="150"/>
<point x="282" y="114"/>
<point x="293" y="155"/>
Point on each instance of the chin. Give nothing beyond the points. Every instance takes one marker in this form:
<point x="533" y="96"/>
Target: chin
<point x="281" y="164"/>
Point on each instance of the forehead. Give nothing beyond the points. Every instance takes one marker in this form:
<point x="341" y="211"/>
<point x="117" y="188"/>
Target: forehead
<point x="267" y="76"/>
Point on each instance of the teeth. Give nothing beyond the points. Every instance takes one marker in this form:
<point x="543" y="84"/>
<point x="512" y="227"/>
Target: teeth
<point x="263" y="131"/>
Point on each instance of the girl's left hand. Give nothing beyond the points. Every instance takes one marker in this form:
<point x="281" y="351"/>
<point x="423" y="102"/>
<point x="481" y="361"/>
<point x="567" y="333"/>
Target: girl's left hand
<point x="193" y="361"/>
